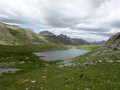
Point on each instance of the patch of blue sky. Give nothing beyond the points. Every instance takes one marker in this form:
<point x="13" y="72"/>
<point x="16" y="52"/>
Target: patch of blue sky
<point x="36" y="29"/>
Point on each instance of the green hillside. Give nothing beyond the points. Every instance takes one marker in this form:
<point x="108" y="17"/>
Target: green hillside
<point x="18" y="36"/>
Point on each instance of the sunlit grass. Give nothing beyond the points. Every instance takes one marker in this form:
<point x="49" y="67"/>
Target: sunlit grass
<point x="88" y="47"/>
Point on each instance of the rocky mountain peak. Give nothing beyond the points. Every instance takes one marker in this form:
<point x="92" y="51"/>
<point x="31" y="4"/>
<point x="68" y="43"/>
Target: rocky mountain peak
<point x="46" y="33"/>
<point x="63" y="36"/>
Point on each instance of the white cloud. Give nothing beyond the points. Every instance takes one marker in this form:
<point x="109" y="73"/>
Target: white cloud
<point x="74" y="33"/>
<point x="91" y="19"/>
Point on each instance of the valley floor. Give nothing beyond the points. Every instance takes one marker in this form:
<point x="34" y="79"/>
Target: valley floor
<point x="95" y="70"/>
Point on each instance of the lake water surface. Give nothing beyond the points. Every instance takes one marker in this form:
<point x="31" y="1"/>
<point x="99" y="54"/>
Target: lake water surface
<point x="61" y="54"/>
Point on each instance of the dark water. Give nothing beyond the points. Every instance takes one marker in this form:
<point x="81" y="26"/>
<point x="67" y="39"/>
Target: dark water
<point x="61" y="54"/>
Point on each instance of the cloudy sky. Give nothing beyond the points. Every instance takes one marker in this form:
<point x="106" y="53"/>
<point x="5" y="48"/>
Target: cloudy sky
<point x="87" y="19"/>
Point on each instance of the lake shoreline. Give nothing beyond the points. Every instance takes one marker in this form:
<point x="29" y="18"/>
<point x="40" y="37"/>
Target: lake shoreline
<point x="60" y="54"/>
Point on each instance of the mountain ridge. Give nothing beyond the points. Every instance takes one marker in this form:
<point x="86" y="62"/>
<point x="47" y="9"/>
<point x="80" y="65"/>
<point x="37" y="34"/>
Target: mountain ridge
<point x="15" y="35"/>
<point x="62" y="39"/>
<point x="98" y="42"/>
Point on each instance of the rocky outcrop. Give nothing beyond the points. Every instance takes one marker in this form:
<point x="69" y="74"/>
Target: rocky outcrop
<point x="114" y="42"/>
<point x="111" y="47"/>
<point x="46" y="33"/>
<point x="64" y="36"/>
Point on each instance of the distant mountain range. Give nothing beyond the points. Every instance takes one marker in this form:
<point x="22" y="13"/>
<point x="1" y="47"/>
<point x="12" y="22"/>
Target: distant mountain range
<point x="98" y="43"/>
<point x="62" y="39"/>
<point x="14" y="35"/>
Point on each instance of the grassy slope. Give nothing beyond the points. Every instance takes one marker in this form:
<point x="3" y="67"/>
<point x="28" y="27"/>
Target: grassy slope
<point x="24" y="49"/>
<point x="20" y="36"/>
<point x="88" y="47"/>
<point x="100" y="76"/>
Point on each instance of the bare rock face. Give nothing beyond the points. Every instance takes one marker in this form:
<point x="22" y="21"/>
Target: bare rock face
<point x="63" y="36"/>
<point x="114" y="42"/>
<point x="46" y="33"/>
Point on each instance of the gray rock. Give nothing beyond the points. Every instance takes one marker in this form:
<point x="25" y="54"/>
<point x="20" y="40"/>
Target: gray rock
<point x="46" y="33"/>
<point x="8" y="70"/>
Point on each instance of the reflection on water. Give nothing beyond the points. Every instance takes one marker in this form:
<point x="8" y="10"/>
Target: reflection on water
<point x="61" y="54"/>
